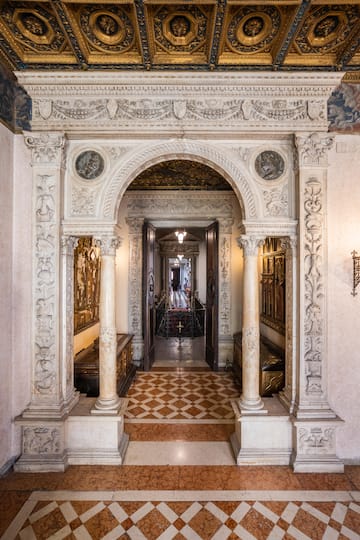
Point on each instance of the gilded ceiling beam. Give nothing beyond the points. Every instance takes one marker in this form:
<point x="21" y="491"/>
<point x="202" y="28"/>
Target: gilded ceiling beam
<point x="289" y="39"/>
<point x="219" y="22"/>
<point x="140" y="12"/>
<point x="350" y="49"/>
<point x="63" y="18"/>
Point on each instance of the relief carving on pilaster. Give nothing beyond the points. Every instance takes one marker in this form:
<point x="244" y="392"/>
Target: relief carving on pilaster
<point x="44" y="284"/>
<point x="41" y="440"/>
<point x="250" y="345"/>
<point x="316" y="440"/>
<point x="314" y="285"/>
<point x="225" y="289"/>
<point x="313" y="149"/>
<point x="276" y="201"/>
<point x="68" y="245"/>
<point x="135" y="271"/>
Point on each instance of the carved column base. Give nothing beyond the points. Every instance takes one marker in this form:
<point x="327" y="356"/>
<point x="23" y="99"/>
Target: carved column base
<point x="43" y="448"/>
<point x="315" y="446"/>
<point x="251" y="404"/>
<point x="107" y="405"/>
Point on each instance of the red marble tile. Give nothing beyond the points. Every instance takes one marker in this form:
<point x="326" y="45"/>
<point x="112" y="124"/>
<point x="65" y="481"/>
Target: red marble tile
<point x="309" y="525"/>
<point x="153" y="524"/>
<point x="11" y="503"/>
<point x="352" y="521"/>
<point x="257" y="524"/>
<point x="49" y="524"/>
<point x="101" y="524"/>
<point x="205" y="524"/>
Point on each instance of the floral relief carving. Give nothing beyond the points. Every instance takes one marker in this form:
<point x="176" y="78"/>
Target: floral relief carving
<point x="313" y="149"/>
<point x="108" y="340"/>
<point x="83" y="201"/>
<point x="135" y="286"/>
<point x="316" y="440"/>
<point x="250" y="345"/>
<point x="68" y="245"/>
<point x="46" y="147"/>
<point x="225" y="290"/>
<point x="314" y="283"/>
<point x="41" y="440"/>
<point x="276" y="201"/>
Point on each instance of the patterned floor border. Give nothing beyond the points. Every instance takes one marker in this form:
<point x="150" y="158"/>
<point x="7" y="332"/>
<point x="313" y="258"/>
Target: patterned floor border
<point x="193" y="515"/>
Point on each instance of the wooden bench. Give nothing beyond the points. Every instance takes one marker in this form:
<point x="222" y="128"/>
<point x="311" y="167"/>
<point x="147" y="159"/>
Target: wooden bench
<point x="86" y="367"/>
<point x="272" y="365"/>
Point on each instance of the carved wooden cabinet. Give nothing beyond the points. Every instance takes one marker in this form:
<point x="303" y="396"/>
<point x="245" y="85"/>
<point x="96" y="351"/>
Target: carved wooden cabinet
<point x="86" y="367"/>
<point x="272" y="365"/>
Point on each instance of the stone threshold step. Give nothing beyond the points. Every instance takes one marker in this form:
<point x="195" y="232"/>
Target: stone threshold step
<point x="179" y="432"/>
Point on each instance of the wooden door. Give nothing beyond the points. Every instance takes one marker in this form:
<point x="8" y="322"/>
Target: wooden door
<point x="211" y="325"/>
<point x="149" y="295"/>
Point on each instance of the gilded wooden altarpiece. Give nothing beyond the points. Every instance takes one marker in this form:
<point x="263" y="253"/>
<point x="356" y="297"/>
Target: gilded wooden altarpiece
<point x="86" y="284"/>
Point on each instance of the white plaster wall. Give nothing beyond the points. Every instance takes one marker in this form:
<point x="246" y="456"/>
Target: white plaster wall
<point x="22" y="283"/>
<point x="6" y="225"/>
<point x="343" y="309"/>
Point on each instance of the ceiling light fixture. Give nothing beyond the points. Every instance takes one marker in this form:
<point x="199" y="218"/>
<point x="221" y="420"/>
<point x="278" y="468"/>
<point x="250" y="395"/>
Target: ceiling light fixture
<point x="180" y="236"/>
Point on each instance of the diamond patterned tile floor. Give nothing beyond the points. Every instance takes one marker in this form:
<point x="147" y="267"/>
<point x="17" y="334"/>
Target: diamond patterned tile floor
<point x="178" y="515"/>
<point x="203" y="396"/>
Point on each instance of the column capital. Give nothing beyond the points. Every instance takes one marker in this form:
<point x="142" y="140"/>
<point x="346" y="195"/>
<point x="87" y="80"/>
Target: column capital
<point x="250" y="244"/>
<point x="46" y="148"/>
<point x="135" y="224"/>
<point x="108" y="244"/>
<point x="68" y="244"/>
<point x="225" y="225"/>
<point x="313" y="148"/>
<point x="289" y="243"/>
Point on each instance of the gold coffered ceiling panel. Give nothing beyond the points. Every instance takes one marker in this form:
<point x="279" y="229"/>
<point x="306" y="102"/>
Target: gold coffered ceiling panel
<point x="195" y="35"/>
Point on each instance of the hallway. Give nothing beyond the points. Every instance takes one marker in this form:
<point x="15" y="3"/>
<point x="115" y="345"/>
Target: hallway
<point x="179" y="480"/>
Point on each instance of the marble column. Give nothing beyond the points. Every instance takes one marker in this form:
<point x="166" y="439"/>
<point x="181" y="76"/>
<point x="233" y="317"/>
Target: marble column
<point x="108" y="401"/>
<point x="250" y="399"/>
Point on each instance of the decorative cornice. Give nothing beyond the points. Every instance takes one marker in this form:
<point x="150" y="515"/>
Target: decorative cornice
<point x="281" y="102"/>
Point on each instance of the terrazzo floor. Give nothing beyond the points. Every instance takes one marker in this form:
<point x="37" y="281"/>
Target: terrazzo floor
<point x="179" y="480"/>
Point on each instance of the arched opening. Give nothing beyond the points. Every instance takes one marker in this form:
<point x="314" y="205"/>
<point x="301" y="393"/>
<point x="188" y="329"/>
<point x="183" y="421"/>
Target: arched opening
<point x="181" y="276"/>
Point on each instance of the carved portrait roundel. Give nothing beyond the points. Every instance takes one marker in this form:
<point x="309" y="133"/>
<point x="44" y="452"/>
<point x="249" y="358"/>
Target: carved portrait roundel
<point x="89" y="165"/>
<point x="269" y="165"/>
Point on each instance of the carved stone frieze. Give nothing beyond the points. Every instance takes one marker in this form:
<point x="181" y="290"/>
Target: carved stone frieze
<point x="276" y="201"/>
<point x="286" y="102"/>
<point x="41" y="440"/>
<point x="313" y="149"/>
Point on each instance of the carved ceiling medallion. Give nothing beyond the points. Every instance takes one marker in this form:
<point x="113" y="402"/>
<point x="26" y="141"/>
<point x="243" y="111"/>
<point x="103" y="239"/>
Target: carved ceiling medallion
<point x="326" y="29"/>
<point x="251" y="30"/>
<point x="107" y="29"/>
<point x="35" y="29"/>
<point x="180" y="30"/>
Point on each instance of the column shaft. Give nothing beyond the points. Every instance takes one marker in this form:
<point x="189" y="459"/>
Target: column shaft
<point x="250" y="398"/>
<point x="108" y="400"/>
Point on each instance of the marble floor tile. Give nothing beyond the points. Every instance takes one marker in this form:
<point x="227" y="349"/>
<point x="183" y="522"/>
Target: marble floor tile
<point x="179" y="453"/>
<point x="181" y="514"/>
<point x="176" y="432"/>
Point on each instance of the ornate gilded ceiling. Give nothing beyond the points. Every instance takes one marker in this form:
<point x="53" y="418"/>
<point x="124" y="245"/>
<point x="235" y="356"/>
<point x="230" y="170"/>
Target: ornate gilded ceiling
<point x="198" y="34"/>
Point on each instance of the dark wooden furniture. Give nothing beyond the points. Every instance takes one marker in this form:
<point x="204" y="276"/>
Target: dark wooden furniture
<point x="86" y="367"/>
<point x="272" y="365"/>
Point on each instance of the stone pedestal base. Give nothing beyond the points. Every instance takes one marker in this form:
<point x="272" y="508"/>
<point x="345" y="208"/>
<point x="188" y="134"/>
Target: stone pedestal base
<point x="262" y="437"/>
<point x="42" y="446"/>
<point x="315" y="446"/>
<point x="95" y="439"/>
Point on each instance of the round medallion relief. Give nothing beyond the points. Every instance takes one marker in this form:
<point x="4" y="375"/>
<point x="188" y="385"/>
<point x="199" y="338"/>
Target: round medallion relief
<point x="89" y="164"/>
<point x="269" y="165"/>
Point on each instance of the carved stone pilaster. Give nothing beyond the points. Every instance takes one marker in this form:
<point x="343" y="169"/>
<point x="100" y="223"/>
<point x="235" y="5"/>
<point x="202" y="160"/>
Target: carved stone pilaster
<point x="68" y="244"/>
<point x="49" y="369"/>
<point x="135" y="286"/>
<point x="312" y="411"/>
<point x="225" y="304"/>
<point x="287" y="395"/>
